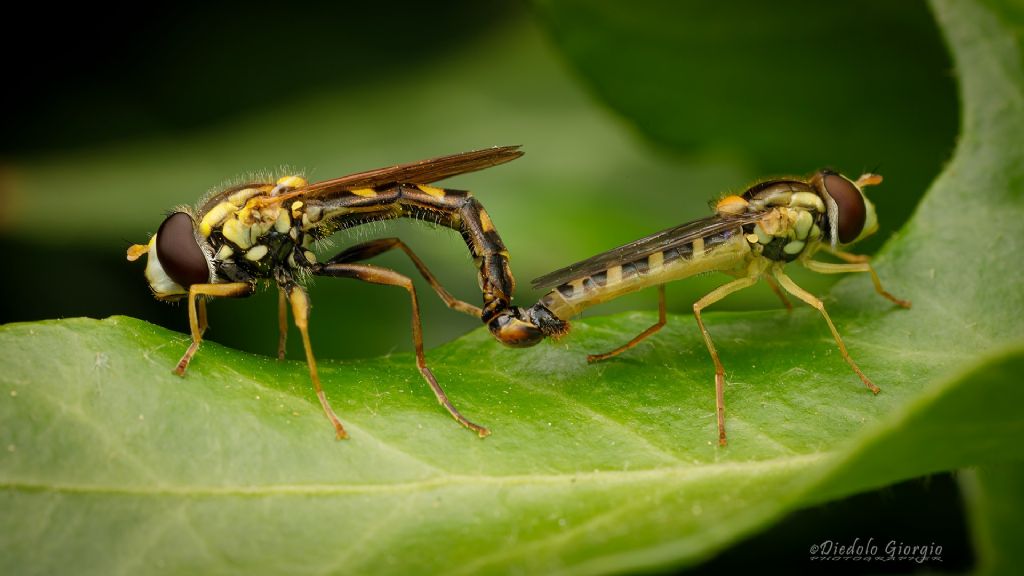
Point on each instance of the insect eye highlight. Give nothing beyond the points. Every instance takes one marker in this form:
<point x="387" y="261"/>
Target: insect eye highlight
<point x="178" y="252"/>
<point x="852" y="212"/>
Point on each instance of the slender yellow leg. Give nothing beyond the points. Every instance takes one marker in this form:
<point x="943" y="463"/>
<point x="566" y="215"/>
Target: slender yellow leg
<point x="847" y="256"/>
<point x="300" y="311"/>
<point x="197" y="314"/>
<point x="809" y="298"/>
<point x="377" y="275"/>
<point x="782" y="295"/>
<point x="651" y="330"/>
<point x="854" y="266"/>
<point x="709" y="299"/>
<point x="372" y="248"/>
<point x="282" y="322"/>
<point x="203" y="324"/>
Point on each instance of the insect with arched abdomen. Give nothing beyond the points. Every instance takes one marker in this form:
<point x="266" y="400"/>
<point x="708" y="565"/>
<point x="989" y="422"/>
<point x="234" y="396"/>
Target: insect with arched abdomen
<point x="263" y="231"/>
<point x="751" y="236"/>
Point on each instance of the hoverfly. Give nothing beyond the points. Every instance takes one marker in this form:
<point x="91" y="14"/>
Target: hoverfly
<point x="263" y="231"/>
<point x="750" y="236"/>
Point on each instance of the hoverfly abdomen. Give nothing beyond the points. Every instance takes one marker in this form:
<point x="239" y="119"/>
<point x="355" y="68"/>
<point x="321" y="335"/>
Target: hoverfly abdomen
<point x="456" y="209"/>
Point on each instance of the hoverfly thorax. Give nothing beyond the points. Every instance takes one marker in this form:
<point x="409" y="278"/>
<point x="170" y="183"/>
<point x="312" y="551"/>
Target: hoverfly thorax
<point x="850" y="215"/>
<point x="176" y="259"/>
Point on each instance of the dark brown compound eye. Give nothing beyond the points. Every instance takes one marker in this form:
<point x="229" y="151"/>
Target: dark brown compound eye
<point x="850" y="206"/>
<point x="178" y="252"/>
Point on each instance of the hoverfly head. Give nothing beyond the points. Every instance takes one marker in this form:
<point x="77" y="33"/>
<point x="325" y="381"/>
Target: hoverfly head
<point x="176" y="259"/>
<point x="850" y="215"/>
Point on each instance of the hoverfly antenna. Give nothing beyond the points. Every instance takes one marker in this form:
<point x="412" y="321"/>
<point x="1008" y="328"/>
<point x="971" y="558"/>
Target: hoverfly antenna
<point x="135" y="251"/>
<point x="868" y="179"/>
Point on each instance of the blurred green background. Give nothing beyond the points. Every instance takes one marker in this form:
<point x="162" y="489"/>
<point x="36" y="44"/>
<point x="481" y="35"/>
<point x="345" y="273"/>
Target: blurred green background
<point x="627" y="129"/>
<point x="120" y="124"/>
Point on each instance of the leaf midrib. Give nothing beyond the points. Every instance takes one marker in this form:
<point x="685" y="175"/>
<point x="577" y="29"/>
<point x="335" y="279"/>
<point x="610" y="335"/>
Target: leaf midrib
<point x="676" y="473"/>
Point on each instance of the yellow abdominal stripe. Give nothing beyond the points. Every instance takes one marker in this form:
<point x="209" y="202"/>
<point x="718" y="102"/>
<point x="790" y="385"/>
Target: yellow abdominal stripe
<point x="485" y="221"/>
<point x="614" y="276"/>
<point x="432" y="190"/>
<point x="655" y="261"/>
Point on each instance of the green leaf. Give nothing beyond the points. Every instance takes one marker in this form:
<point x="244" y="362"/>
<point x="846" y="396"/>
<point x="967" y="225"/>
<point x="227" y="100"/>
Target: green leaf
<point x="994" y="495"/>
<point x="109" y="463"/>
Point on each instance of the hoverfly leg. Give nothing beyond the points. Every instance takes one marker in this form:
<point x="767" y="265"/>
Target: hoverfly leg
<point x="378" y="275"/>
<point x="778" y="292"/>
<point x="282" y="322"/>
<point x="707" y="300"/>
<point x="813" y="301"/>
<point x="856" y="264"/>
<point x="848" y="256"/>
<point x="662" y="318"/>
<point x="368" y="250"/>
<point x="203" y="323"/>
<point x="300" y="311"/>
<point x="197" y="313"/>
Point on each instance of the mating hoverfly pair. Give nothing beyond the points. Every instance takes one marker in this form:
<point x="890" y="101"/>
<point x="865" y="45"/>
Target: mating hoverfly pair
<point x="263" y="231"/>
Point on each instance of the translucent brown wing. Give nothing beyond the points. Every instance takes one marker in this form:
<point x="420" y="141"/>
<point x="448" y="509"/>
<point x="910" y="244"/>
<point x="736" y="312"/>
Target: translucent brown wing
<point x="657" y="242"/>
<point x="422" y="172"/>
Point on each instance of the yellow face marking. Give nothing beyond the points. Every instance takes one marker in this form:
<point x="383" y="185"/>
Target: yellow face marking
<point x="655" y="261"/>
<point x="291" y="181"/>
<point x="256" y="253"/>
<point x="432" y="190"/>
<point x="485" y="221"/>
<point x="613" y="276"/>
<point x="296" y="208"/>
<point x="698" y="248"/>
<point x="364" y="192"/>
<point x="135" y="251"/>
<point x="752" y="238"/>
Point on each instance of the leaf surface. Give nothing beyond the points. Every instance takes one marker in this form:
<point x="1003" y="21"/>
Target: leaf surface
<point x="111" y="464"/>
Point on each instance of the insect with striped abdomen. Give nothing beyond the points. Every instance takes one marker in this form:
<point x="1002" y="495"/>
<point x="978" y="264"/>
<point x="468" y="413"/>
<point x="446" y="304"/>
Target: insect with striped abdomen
<point x="263" y="231"/>
<point x="751" y="236"/>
